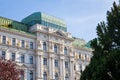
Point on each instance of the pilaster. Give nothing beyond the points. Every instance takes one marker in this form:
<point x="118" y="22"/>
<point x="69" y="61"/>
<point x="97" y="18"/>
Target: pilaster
<point x="41" y="67"/>
<point x="25" y="74"/>
<point x="37" y="68"/>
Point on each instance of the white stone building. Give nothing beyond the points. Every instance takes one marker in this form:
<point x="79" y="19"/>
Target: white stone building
<point x="43" y="50"/>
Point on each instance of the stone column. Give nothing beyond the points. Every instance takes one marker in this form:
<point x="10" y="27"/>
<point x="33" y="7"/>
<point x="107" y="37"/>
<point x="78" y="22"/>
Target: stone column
<point x="25" y="74"/>
<point x="53" y="69"/>
<point x="0" y="39"/>
<point x="50" y="68"/>
<point x="41" y="67"/>
<point x="62" y="69"/>
<point x="37" y="67"/>
<point x="7" y="55"/>
<point x="71" y="71"/>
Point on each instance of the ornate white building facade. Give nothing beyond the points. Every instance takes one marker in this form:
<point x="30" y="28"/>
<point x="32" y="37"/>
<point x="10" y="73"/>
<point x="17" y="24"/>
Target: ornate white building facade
<point x="42" y="52"/>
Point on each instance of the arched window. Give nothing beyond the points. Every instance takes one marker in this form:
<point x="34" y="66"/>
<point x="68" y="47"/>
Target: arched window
<point x="66" y="77"/>
<point x="45" y="76"/>
<point x="55" y="48"/>
<point x="44" y="46"/>
<point x="31" y="75"/>
<point x="65" y="51"/>
<point x="56" y="76"/>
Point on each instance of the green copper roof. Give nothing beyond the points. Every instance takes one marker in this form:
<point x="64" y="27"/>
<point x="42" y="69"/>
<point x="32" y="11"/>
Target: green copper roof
<point x="13" y="24"/>
<point x="79" y="42"/>
<point x="46" y="20"/>
<point x="88" y="44"/>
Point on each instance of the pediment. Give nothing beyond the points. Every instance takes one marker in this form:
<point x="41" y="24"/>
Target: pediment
<point x="60" y="33"/>
<point x="22" y="65"/>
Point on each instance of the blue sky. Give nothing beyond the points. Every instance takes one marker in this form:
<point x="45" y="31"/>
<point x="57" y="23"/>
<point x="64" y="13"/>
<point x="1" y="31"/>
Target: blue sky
<point x="81" y="16"/>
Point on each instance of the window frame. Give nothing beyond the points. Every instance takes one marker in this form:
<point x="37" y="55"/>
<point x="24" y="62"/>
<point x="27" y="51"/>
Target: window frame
<point x="31" y="45"/>
<point x="55" y="48"/>
<point x="23" y="43"/>
<point x="3" y="55"/>
<point x="22" y="58"/>
<point x="56" y="63"/>
<point x="4" y="39"/>
<point x="31" y="75"/>
<point x="65" y="51"/>
<point x="44" y="46"/>
<point x="44" y="61"/>
<point x="13" y="58"/>
<point x="66" y="64"/>
<point x="13" y="41"/>
<point x="31" y="59"/>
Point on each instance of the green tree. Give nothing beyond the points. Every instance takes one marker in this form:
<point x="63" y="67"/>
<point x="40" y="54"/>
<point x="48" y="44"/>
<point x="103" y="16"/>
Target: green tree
<point x="105" y="63"/>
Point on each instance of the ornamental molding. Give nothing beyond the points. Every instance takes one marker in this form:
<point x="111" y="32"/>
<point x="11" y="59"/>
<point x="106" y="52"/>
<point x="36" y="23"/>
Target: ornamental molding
<point x="16" y="32"/>
<point x="49" y="33"/>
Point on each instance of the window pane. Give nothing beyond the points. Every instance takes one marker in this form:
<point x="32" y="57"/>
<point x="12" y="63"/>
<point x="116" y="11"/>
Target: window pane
<point x="31" y="75"/>
<point x="45" y="61"/>
<point x="22" y="75"/>
<point x="66" y="77"/>
<point x="13" y="56"/>
<point x="23" y="43"/>
<point x="4" y="40"/>
<point x="55" y="48"/>
<point x="65" y="51"/>
<point x="13" y="41"/>
<point x="31" y="59"/>
<point x="56" y="63"/>
<point x="56" y="76"/>
<point x="22" y="58"/>
<point x="45" y="76"/>
<point x="3" y="55"/>
<point x="44" y="46"/>
<point x="31" y="45"/>
<point x="66" y="64"/>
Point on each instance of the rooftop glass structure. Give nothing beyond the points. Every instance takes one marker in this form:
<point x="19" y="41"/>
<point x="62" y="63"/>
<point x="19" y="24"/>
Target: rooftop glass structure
<point x="45" y="20"/>
<point x="5" y="22"/>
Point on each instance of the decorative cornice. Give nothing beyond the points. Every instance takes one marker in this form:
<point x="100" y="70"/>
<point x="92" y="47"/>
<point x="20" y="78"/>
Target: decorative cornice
<point x="82" y="48"/>
<point x="17" y="32"/>
<point x="48" y="33"/>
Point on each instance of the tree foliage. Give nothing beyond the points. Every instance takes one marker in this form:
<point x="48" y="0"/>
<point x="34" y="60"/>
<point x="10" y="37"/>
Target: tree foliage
<point x="8" y="70"/>
<point x="105" y="63"/>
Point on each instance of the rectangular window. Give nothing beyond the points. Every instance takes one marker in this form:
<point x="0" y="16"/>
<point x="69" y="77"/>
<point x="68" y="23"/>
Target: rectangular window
<point x="23" y="44"/>
<point x="31" y="75"/>
<point x="80" y="55"/>
<point x="22" y="58"/>
<point x="31" y="45"/>
<point x="13" y="56"/>
<point x="4" y="39"/>
<point x="22" y="72"/>
<point x="85" y="56"/>
<point x="66" y="64"/>
<point x="31" y="59"/>
<point x="13" y="42"/>
<point x="56" y="63"/>
<point x="3" y="55"/>
<point x="45" y="61"/>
